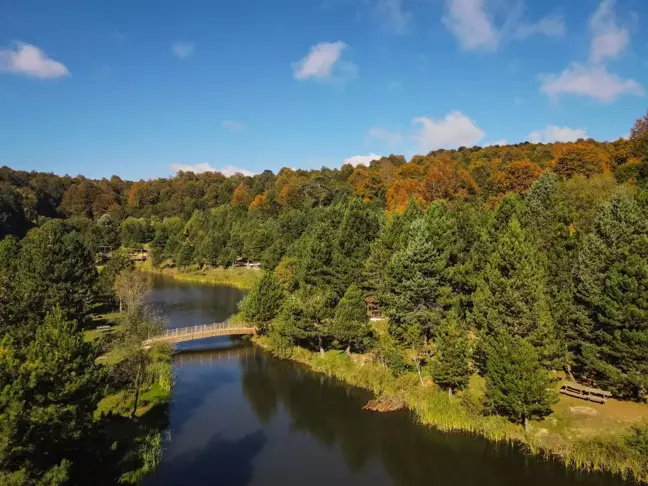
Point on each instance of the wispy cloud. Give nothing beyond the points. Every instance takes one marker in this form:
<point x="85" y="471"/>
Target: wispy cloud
<point x="29" y="60"/>
<point x="361" y="159"/>
<point x="608" y="38"/>
<point x="393" y="14"/>
<point x="454" y="130"/>
<point x="474" y="26"/>
<point x="227" y="171"/>
<point x="324" y="63"/>
<point x="471" y="24"/>
<point x="183" y="49"/>
<point x="593" y="81"/>
<point x="384" y="135"/>
<point x="233" y="125"/>
<point x="553" y="133"/>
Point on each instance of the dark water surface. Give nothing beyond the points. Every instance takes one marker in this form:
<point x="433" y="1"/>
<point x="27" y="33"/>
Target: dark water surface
<point x="241" y="417"/>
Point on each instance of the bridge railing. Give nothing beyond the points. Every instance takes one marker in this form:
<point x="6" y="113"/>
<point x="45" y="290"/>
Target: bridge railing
<point x="192" y="330"/>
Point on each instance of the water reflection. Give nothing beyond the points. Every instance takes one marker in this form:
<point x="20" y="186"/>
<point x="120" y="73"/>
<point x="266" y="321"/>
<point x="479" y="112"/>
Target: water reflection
<point x="185" y="304"/>
<point x="239" y="416"/>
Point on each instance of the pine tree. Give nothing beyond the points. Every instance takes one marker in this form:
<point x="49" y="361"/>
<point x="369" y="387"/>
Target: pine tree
<point x="517" y="385"/>
<point x="49" y="394"/>
<point x="512" y="295"/>
<point x="419" y="278"/>
<point x="350" y="324"/>
<point x="263" y="302"/>
<point x="451" y="361"/>
<point x="56" y="270"/>
<point x="611" y="292"/>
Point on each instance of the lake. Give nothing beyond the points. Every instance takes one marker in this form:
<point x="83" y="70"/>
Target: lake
<point x="239" y="416"/>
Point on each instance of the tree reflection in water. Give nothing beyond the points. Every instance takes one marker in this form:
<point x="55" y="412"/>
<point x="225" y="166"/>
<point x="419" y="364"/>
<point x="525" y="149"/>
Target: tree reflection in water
<point x="263" y="421"/>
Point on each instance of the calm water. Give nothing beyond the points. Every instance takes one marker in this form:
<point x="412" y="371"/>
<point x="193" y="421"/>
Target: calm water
<point x="241" y="417"/>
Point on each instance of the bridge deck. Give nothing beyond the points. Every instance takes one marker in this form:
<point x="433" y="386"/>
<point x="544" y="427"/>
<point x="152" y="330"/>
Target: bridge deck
<point x="191" y="333"/>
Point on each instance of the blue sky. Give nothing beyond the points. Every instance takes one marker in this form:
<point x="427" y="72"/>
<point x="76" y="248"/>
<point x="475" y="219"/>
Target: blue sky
<point x="141" y="88"/>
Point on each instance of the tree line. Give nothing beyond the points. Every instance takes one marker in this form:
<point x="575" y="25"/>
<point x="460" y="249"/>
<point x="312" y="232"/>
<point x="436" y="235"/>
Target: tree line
<point x="511" y="261"/>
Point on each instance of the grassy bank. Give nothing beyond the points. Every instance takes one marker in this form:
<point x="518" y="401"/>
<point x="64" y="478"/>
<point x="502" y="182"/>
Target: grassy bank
<point x="136" y="444"/>
<point x="572" y="434"/>
<point x="239" y="277"/>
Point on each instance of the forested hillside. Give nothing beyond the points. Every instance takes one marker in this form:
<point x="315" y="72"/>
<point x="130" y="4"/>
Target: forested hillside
<point x="542" y="244"/>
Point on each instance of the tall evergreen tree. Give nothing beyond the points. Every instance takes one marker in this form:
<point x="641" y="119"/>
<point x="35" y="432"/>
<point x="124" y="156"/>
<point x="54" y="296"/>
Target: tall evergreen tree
<point x="263" y="302"/>
<point x="517" y="385"/>
<point x="512" y="295"/>
<point x="49" y="393"/>
<point x="451" y="361"/>
<point x="56" y="270"/>
<point x="419" y="277"/>
<point x="611" y="292"/>
<point x="350" y="324"/>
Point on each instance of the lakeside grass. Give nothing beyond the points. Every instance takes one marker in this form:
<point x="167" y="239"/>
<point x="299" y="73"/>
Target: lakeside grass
<point x="240" y="277"/>
<point x="582" y="441"/>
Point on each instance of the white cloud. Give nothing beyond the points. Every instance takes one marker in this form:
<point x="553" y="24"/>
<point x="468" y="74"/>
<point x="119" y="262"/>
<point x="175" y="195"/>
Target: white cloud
<point x="227" y="171"/>
<point x="453" y="131"/>
<point x="233" y="125"/>
<point x="474" y="26"/>
<point x="590" y="81"/>
<point x="553" y="133"/>
<point x="384" y="135"/>
<point x="470" y="23"/>
<point x="182" y="49"/>
<point x="31" y="61"/>
<point x="324" y="63"/>
<point x="361" y="159"/>
<point x="393" y="14"/>
<point x="608" y="39"/>
<point x="550" y="26"/>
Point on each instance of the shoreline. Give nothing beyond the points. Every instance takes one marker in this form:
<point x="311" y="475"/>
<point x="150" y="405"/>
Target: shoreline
<point x="238" y="277"/>
<point x="601" y="453"/>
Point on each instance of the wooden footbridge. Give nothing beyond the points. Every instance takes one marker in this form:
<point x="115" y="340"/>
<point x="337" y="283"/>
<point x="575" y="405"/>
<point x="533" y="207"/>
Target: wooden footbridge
<point x="183" y="334"/>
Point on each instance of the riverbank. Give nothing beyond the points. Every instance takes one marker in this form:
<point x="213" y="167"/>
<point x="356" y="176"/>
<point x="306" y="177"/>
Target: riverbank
<point x="136" y="442"/>
<point x="572" y="434"/>
<point x="239" y="277"/>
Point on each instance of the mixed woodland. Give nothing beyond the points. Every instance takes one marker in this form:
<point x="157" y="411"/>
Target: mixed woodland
<point x="520" y="263"/>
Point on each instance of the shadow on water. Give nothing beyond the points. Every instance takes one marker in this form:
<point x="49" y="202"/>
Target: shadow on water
<point x="239" y="416"/>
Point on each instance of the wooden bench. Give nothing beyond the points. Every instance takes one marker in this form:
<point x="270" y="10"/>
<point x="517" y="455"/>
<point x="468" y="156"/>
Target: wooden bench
<point x="583" y="392"/>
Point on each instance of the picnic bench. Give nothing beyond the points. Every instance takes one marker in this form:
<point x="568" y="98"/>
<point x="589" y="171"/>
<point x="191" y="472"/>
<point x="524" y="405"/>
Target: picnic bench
<point x="583" y="392"/>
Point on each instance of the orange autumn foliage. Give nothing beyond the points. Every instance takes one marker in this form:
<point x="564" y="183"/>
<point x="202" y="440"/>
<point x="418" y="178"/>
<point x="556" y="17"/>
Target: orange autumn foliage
<point x="366" y="183"/>
<point x="241" y="197"/>
<point x="257" y="203"/>
<point x="579" y="158"/>
<point x="516" y="177"/>
<point x="400" y="192"/>
<point x="445" y="180"/>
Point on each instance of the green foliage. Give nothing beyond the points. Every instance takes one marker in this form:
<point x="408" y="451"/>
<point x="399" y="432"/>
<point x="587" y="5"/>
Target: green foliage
<point x="611" y="290"/>
<point x="451" y="362"/>
<point x="517" y="386"/>
<point x="512" y="296"/>
<point x="263" y="302"/>
<point x="420" y="276"/>
<point x="350" y="323"/>
<point x="56" y="270"/>
<point x="48" y="394"/>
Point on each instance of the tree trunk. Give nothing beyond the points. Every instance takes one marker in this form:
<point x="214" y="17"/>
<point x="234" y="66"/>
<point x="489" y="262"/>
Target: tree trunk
<point x="137" y="390"/>
<point x="120" y="306"/>
<point x="348" y="350"/>
<point x="418" y="368"/>
<point x="526" y="425"/>
<point x="569" y="372"/>
<point x="450" y="393"/>
<point x="321" y="346"/>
